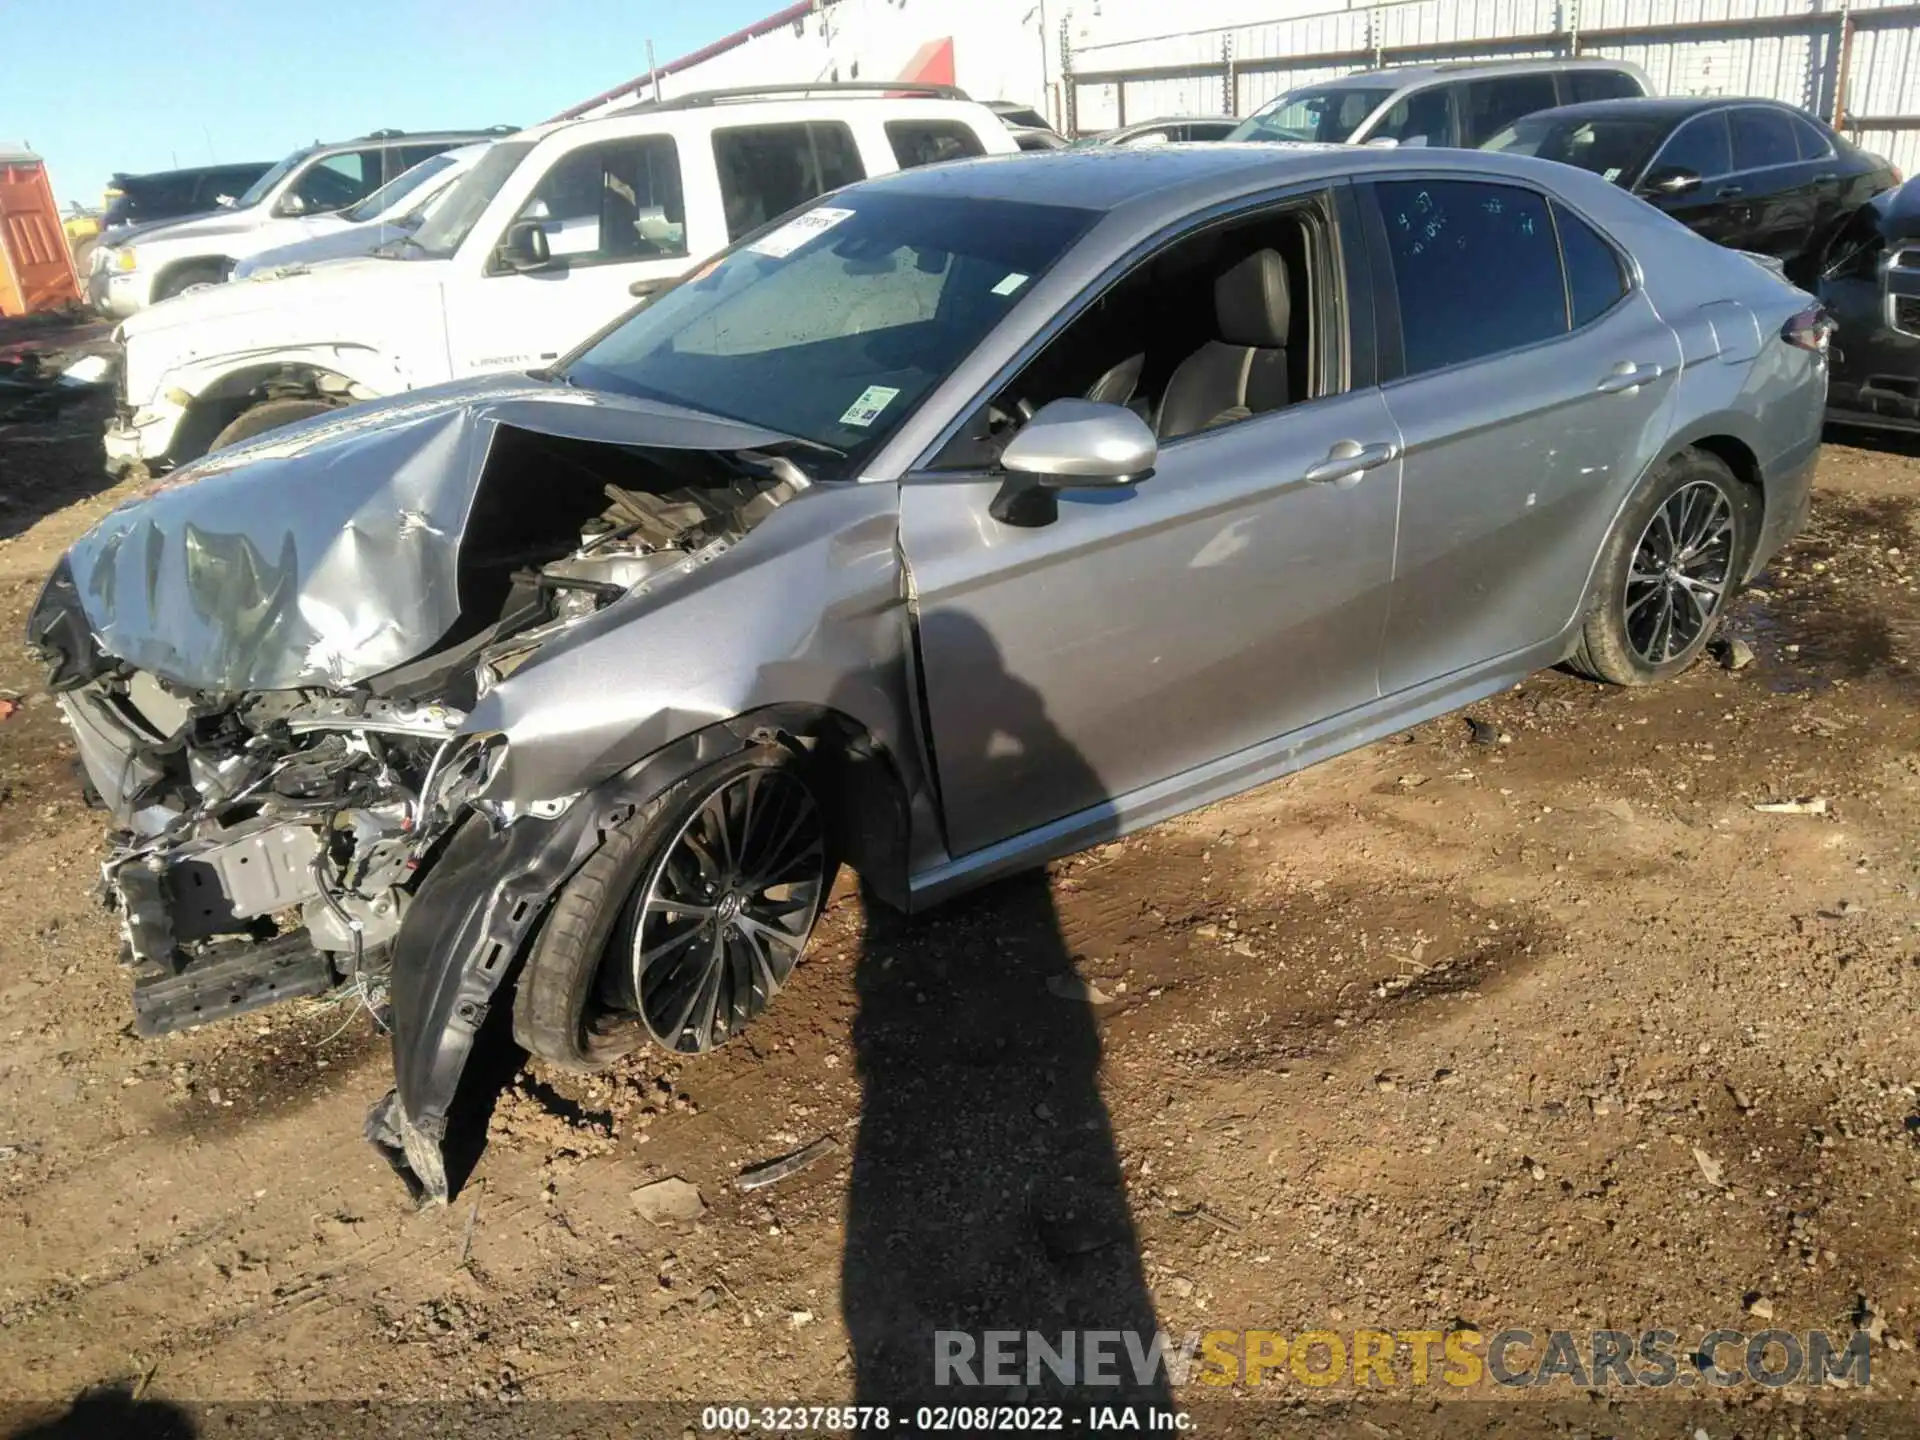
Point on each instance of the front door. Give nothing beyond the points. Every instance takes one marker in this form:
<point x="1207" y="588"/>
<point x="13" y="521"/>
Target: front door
<point x="1236" y="595"/>
<point x="1717" y="207"/>
<point x="1532" y="378"/>
<point x="615" y="224"/>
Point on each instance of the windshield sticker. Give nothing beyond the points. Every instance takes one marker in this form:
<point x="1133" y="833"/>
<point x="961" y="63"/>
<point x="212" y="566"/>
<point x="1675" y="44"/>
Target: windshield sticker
<point x="1012" y="283"/>
<point x="864" y="411"/>
<point x="1611" y="174"/>
<point x="798" y="231"/>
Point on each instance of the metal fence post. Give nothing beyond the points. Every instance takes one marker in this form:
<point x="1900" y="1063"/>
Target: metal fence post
<point x="1069" y="91"/>
<point x="1230" y="84"/>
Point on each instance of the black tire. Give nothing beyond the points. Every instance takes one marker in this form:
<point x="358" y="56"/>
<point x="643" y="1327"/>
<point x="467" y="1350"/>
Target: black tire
<point x="268" y="415"/>
<point x="581" y="1003"/>
<point x="1622" y="642"/>
<point x="178" y="282"/>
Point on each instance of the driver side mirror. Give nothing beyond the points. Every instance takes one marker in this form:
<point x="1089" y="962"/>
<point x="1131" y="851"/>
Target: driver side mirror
<point x="292" y="204"/>
<point x="1671" y="180"/>
<point x="525" y="250"/>
<point x="1067" y="445"/>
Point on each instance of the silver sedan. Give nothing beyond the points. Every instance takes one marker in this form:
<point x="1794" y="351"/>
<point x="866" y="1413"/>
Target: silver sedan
<point x="967" y="517"/>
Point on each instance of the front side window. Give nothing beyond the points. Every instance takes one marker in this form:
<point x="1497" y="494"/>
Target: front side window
<point x="263" y="187"/>
<point x="1475" y="267"/>
<point x="616" y="201"/>
<point x="767" y="170"/>
<point x="1701" y="146"/>
<point x="1611" y="149"/>
<point x="1762" y="138"/>
<point x="1596" y="280"/>
<point x="834" y="326"/>
<point x="928" y="142"/>
<point x="338" y="180"/>
<point x="1327" y="115"/>
<point x="1420" y="119"/>
<point x="1492" y="105"/>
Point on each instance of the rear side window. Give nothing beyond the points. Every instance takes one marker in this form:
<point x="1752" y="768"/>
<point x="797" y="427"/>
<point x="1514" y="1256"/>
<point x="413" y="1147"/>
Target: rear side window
<point x="1475" y="267"/>
<point x="928" y="142"/>
<point x="1585" y="85"/>
<point x="1813" y="141"/>
<point x="404" y="157"/>
<point x="1492" y="105"/>
<point x="619" y="200"/>
<point x="766" y="170"/>
<point x="1595" y="278"/>
<point x="1762" y="138"/>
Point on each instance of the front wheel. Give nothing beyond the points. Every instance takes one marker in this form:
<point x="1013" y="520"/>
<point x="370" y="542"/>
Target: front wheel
<point x="268" y="415"/>
<point x="1668" y="571"/>
<point x="688" y="919"/>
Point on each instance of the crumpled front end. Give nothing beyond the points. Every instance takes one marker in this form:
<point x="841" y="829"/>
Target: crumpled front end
<point x="268" y="666"/>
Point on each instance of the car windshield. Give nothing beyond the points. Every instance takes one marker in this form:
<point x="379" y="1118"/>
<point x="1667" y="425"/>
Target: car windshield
<point x="262" y="187"/>
<point x="1613" y="149"/>
<point x="1327" y="114"/>
<point x="397" y="189"/>
<point x="459" y="208"/>
<point x="833" y="325"/>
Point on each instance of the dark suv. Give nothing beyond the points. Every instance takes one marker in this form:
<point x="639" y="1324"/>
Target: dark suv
<point x="171" y="194"/>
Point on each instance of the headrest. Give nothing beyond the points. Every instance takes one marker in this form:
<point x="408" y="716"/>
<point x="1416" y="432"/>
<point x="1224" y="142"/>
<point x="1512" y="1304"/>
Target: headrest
<point x="1251" y="302"/>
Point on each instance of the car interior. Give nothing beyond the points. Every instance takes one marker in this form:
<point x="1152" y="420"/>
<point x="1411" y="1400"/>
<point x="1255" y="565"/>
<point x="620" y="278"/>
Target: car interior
<point x="1231" y="323"/>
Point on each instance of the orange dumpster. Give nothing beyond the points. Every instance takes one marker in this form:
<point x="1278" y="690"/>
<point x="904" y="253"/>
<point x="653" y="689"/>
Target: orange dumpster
<point x="36" y="267"/>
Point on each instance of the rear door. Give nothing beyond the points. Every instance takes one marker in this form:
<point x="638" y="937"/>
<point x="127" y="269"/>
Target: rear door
<point x="616" y="223"/>
<point x="1831" y="205"/>
<point x="1777" y="186"/>
<point x="1717" y="207"/>
<point x="1529" y="377"/>
<point x="767" y="170"/>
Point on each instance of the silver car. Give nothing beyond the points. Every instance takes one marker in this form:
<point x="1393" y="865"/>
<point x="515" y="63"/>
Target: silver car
<point x="960" y="520"/>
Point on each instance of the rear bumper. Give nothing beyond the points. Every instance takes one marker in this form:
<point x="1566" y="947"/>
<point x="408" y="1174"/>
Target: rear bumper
<point x="1789" y="490"/>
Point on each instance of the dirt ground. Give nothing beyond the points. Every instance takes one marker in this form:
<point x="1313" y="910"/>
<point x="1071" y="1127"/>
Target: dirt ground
<point x="1558" y="1031"/>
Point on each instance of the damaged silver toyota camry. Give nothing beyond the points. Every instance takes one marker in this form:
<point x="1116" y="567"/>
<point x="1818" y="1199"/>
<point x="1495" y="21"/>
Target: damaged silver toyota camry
<point x="965" y="518"/>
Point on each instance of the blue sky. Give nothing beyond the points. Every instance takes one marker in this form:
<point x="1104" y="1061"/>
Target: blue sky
<point x="110" y="85"/>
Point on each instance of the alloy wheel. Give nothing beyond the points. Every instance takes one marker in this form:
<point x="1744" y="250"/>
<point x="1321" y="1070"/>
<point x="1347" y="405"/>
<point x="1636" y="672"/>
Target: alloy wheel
<point x="1680" y="572"/>
<point x="725" y="911"/>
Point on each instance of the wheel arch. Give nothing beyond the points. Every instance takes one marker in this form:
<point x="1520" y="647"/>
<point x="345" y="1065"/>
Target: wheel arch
<point x="476" y="911"/>
<point x="223" y="395"/>
<point x="171" y="270"/>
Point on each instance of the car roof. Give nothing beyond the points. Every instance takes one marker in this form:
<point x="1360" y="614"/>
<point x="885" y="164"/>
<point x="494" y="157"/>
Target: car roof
<point x="1658" y="107"/>
<point x="1400" y="77"/>
<point x="414" y="137"/>
<point x="1179" y="178"/>
<point x="145" y="176"/>
<point x="666" y="119"/>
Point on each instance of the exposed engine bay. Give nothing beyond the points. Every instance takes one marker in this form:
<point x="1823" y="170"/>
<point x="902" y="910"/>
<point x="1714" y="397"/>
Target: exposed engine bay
<point x="267" y="842"/>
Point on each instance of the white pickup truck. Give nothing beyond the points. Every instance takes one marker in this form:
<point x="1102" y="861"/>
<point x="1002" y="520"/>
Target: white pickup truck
<point x="552" y="234"/>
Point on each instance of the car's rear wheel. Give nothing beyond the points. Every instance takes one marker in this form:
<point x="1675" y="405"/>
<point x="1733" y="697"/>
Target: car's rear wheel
<point x="269" y="415"/>
<point x="1668" y="572"/>
<point x="687" y="921"/>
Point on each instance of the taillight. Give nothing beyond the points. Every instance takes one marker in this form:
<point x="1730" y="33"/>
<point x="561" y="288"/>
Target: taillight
<point x="1812" y="329"/>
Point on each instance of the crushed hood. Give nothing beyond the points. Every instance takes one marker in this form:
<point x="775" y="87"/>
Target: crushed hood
<point x="327" y="553"/>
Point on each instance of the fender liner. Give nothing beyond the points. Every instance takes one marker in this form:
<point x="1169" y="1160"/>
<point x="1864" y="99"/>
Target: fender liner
<point x="488" y="890"/>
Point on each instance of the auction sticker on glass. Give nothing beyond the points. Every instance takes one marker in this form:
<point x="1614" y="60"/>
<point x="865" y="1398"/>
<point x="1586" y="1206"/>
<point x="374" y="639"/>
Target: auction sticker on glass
<point x="798" y="231"/>
<point x="864" y="411"/>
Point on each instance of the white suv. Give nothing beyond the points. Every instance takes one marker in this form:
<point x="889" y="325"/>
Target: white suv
<point x="552" y="235"/>
<point x="150" y="263"/>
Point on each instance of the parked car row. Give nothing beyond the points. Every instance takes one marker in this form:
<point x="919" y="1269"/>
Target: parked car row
<point x="568" y="690"/>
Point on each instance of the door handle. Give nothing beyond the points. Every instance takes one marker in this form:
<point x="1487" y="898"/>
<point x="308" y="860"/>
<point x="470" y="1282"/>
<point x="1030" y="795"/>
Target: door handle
<point x="1826" y="179"/>
<point x="641" y="289"/>
<point x="1348" y="459"/>
<point x="1728" y="192"/>
<point x="1627" y="377"/>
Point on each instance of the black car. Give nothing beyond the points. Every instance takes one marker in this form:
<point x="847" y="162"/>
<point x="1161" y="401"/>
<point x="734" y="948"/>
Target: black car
<point x="1870" y="283"/>
<point x="1750" y="174"/>
<point x="171" y="194"/>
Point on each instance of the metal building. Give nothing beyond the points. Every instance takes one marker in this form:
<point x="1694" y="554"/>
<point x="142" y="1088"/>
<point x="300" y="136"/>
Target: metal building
<point x="1091" y="64"/>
